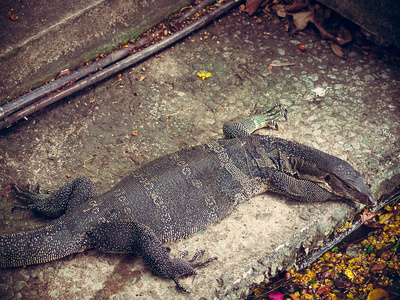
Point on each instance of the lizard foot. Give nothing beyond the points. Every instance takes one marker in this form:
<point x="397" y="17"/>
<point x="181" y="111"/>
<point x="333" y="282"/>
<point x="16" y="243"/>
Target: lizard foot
<point x="271" y="114"/>
<point x="184" y="267"/>
<point x="246" y="126"/>
<point x="196" y="256"/>
<point x="29" y="197"/>
<point x="55" y="204"/>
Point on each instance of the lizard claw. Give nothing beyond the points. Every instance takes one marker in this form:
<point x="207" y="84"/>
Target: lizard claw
<point x="25" y="198"/>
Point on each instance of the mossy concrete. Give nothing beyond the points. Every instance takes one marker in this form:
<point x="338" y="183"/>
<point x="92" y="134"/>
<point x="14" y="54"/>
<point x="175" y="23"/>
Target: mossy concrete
<point x="348" y="108"/>
<point x="51" y="36"/>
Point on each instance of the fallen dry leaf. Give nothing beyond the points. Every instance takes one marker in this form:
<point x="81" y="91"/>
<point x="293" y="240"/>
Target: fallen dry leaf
<point x="378" y="267"/>
<point x="294" y="297"/>
<point x="323" y="290"/>
<point x="280" y="11"/>
<point x="295" y="7"/>
<point x="344" y="36"/>
<point x="301" y="19"/>
<point x="324" y="34"/>
<point x="252" y="6"/>
<point x="378" y="294"/>
<point x="367" y="215"/>
<point x="383" y="219"/>
<point x="337" y="50"/>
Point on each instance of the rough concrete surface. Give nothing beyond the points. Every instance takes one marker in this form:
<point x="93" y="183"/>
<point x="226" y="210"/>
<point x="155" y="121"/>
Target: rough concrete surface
<point x="52" y="36"/>
<point x="348" y="108"/>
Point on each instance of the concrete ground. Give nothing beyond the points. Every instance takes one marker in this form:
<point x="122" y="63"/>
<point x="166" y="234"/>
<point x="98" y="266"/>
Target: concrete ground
<point x="348" y="108"/>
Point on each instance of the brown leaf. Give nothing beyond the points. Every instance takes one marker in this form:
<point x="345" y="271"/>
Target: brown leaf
<point x="378" y="267"/>
<point x="324" y="34"/>
<point x="294" y="297"/>
<point x="367" y="215"/>
<point x="301" y="19"/>
<point x="252" y="6"/>
<point x="280" y="11"/>
<point x="323" y="290"/>
<point x="295" y="7"/>
<point x="337" y="50"/>
<point x="344" y="36"/>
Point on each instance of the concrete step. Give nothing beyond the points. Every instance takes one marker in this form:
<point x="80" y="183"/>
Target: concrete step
<point x="48" y="37"/>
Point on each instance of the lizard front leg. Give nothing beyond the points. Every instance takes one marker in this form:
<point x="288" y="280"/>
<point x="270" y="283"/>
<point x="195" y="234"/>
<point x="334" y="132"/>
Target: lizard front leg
<point x="301" y="190"/>
<point x="246" y="126"/>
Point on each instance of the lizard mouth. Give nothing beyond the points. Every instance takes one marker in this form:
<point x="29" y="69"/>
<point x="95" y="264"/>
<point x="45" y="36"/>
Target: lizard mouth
<point x="355" y="190"/>
<point x="371" y="200"/>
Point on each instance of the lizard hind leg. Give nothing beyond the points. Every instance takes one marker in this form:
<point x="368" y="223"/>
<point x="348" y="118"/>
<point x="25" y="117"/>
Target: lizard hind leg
<point x="129" y="236"/>
<point x="66" y="198"/>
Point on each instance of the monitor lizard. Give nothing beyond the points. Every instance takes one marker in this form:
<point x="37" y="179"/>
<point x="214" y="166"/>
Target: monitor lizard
<point x="179" y="194"/>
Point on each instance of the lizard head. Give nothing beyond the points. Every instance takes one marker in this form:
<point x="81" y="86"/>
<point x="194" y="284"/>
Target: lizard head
<point x="346" y="182"/>
<point x="339" y="178"/>
<point x="330" y="173"/>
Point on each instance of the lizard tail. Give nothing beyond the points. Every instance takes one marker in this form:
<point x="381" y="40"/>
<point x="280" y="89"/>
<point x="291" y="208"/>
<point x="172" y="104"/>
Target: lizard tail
<point x="39" y="246"/>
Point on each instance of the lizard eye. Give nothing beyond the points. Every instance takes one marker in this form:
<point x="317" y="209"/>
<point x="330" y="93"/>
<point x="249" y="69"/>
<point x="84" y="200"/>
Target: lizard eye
<point x="327" y="178"/>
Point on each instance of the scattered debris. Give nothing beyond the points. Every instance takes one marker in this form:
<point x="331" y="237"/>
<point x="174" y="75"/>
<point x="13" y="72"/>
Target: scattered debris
<point x="85" y="161"/>
<point x="280" y="65"/>
<point x="11" y="15"/>
<point x="63" y="73"/>
<point x="365" y="269"/>
<point x="319" y="91"/>
<point x="337" y="50"/>
<point x="299" y="14"/>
